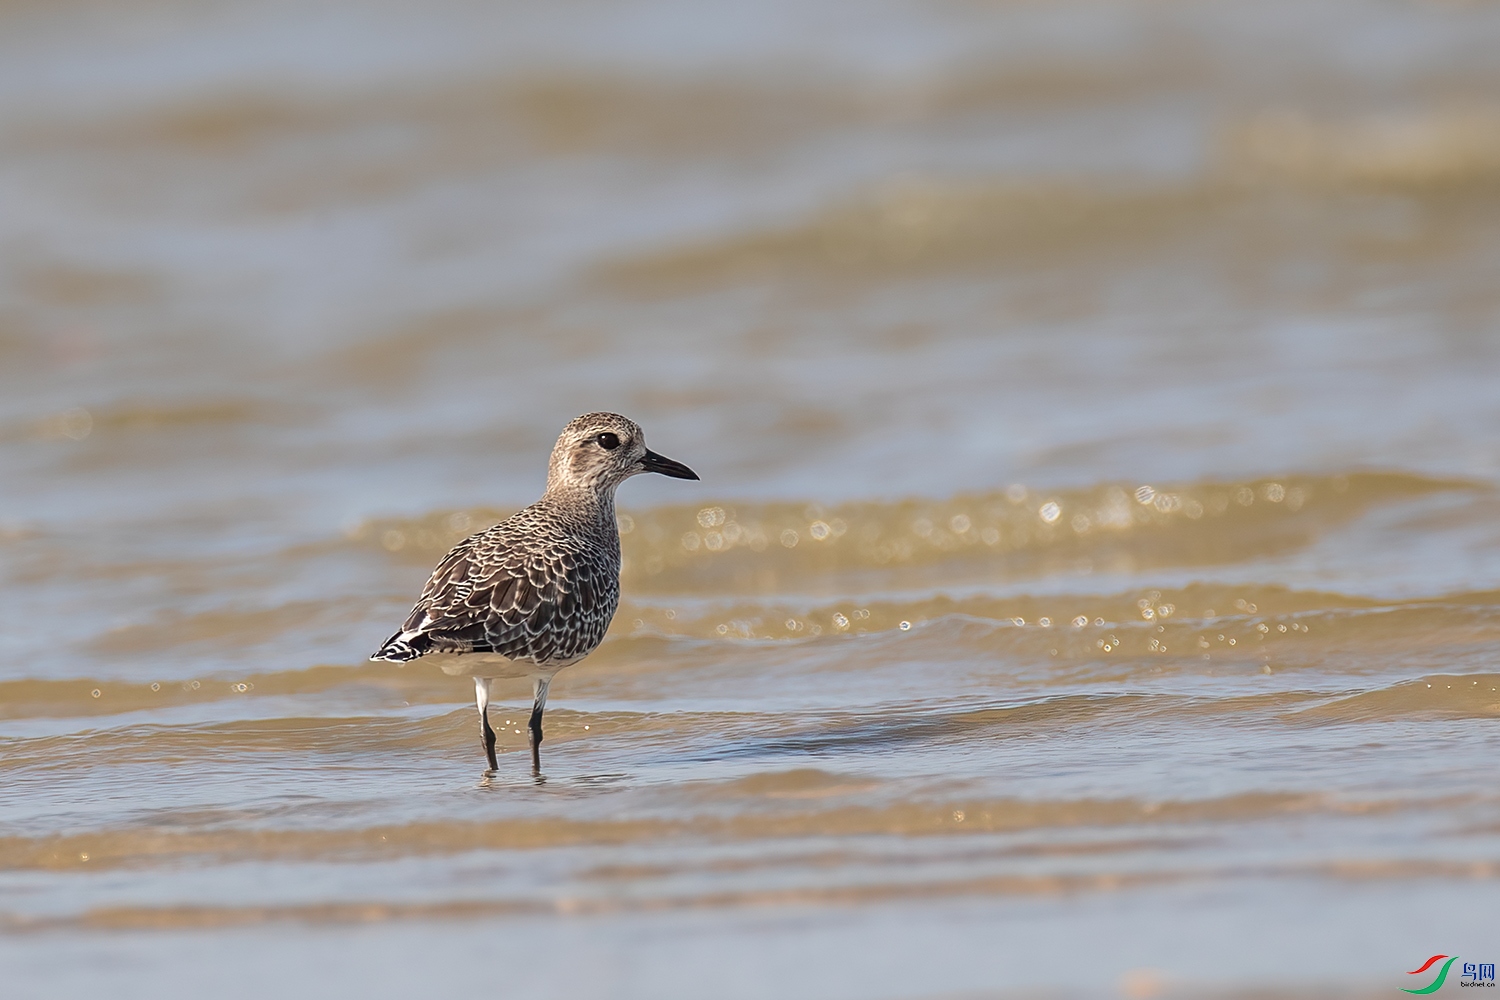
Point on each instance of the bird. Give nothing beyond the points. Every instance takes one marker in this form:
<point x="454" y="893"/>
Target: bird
<point x="536" y="592"/>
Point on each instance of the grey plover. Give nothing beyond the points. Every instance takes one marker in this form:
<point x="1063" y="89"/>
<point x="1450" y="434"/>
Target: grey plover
<point x="536" y="592"/>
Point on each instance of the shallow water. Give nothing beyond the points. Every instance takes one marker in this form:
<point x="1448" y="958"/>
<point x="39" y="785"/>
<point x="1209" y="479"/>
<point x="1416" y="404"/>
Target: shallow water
<point x="1094" y="585"/>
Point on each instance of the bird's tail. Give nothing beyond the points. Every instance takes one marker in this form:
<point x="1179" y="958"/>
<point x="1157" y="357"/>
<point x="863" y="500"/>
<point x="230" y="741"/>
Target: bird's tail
<point x="402" y="647"/>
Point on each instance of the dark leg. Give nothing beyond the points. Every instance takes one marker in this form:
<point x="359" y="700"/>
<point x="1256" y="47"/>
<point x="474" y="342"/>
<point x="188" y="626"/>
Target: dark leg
<point x="534" y="727"/>
<point x="489" y="739"/>
<point x="482" y="699"/>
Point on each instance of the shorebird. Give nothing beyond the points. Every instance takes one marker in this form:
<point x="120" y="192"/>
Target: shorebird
<point x="534" y="593"/>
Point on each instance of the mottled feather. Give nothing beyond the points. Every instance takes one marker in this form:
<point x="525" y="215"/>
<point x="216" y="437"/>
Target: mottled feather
<point x="539" y="587"/>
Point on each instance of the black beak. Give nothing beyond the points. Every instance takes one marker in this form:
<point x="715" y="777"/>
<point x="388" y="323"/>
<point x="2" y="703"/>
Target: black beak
<point x="652" y="462"/>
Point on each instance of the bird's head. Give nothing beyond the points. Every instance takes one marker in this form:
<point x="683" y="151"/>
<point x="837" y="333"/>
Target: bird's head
<point x="599" y="451"/>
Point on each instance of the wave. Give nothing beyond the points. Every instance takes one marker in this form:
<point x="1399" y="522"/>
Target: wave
<point x="934" y="227"/>
<point x="596" y="898"/>
<point x="826" y="816"/>
<point x="1224" y="624"/>
<point x="129" y="417"/>
<point x="791" y="547"/>
<point x="1412" y="150"/>
<point x="1438" y="696"/>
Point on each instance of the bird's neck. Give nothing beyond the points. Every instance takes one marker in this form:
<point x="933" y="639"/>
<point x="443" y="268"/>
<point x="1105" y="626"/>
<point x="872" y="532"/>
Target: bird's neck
<point x="586" y="502"/>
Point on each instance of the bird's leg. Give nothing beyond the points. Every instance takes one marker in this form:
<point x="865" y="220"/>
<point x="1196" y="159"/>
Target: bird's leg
<point x="538" y="703"/>
<point x="482" y="699"/>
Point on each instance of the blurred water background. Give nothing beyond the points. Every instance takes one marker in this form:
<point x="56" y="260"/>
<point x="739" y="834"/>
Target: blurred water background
<point x="1094" y="585"/>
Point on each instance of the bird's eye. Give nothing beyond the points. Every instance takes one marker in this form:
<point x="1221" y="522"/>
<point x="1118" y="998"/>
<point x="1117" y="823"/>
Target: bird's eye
<point x="608" y="441"/>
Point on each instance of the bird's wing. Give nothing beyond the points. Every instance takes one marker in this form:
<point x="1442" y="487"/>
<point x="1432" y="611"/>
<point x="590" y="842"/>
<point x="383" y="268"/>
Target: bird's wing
<point x="489" y="595"/>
